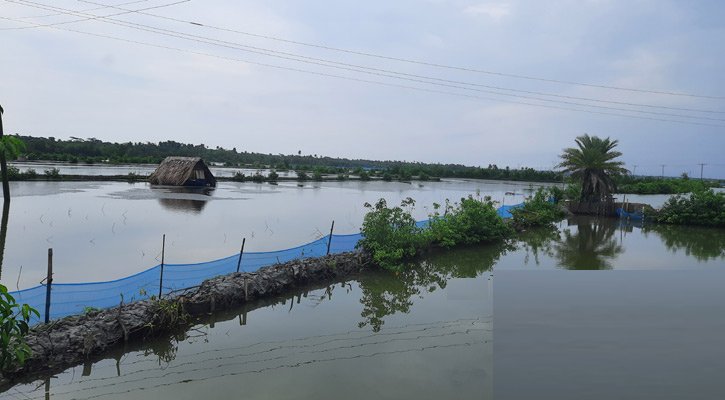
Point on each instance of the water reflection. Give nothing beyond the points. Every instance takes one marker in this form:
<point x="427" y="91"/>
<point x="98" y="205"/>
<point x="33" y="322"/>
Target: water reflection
<point x="593" y="246"/>
<point x="702" y="243"/>
<point x="538" y="243"/>
<point x="385" y="293"/>
<point x="183" y="205"/>
<point x="184" y="199"/>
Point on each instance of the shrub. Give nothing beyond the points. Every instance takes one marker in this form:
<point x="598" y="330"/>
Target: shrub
<point x="317" y="176"/>
<point x="702" y="207"/>
<point x="390" y="235"/>
<point x="557" y="194"/>
<point x="573" y="191"/>
<point x="665" y="186"/>
<point x="364" y="176"/>
<point x="133" y="177"/>
<point x="273" y="175"/>
<point x="239" y="176"/>
<point x="13" y="173"/>
<point x="471" y="221"/>
<point x="30" y="173"/>
<point x="53" y="173"/>
<point x="540" y="210"/>
<point x="257" y="177"/>
<point x="387" y="177"/>
<point x="14" y="319"/>
<point x="302" y="176"/>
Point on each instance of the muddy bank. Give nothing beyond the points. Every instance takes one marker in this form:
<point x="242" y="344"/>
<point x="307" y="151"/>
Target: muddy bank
<point x="78" y="339"/>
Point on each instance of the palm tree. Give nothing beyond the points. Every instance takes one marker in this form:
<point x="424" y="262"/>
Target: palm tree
<point x="593" y="163"/>
<point x="9" y="147"/>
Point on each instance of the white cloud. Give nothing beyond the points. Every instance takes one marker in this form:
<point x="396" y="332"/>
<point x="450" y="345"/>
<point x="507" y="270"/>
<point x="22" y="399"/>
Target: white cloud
<point x="495" y="11"/>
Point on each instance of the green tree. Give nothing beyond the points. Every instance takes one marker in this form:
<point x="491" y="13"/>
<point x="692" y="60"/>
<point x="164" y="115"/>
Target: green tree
<point x="593" y="163"/>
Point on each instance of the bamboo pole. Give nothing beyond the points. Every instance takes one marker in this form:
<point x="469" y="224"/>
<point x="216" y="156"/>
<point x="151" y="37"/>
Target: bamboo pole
<point x="329" y="239"/>
<point x="48" y="284"/>
<point x="239" y="261"/>
<point x="163" y="250"/>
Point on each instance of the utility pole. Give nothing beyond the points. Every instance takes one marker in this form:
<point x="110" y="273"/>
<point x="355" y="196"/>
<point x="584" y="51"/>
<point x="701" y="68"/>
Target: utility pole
<point x="702" y="167"/>
<point x="663" y="169"/>
<point x="634" y="170"/>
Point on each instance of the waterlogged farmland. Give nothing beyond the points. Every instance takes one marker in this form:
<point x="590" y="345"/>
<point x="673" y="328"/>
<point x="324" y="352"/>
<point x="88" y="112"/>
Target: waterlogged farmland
<point x="424" y="333"/>
<point x="108" y="230"/>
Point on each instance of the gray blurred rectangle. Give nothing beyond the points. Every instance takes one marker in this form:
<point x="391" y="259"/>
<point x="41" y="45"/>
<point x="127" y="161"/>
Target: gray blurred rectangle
<point x="609" y="335"/>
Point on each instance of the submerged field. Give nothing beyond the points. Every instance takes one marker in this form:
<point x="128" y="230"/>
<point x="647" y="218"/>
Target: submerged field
<point x="423" y="334"/>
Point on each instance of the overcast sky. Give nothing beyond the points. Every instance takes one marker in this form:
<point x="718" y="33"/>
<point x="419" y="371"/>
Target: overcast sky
<point x="55" y="82"/>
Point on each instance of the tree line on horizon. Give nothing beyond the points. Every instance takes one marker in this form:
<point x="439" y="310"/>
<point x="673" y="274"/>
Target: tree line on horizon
<point x="92" y="150"/>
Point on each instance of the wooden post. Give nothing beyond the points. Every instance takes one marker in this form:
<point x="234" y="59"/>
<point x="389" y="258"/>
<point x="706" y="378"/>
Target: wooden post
<point x="48" y="284"/>
<point x="329" y="240"/>
<point x="163" y="250"/>
<point x="239" y="261"/>
<point x="246" y="293"/>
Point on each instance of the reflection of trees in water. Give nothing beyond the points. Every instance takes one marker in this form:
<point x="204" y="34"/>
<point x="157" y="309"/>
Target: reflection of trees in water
<point x="385" y="293"/>
<point x="537" y="242"/>
<point x="593" y="245"/>
<point x="702" y="243"/>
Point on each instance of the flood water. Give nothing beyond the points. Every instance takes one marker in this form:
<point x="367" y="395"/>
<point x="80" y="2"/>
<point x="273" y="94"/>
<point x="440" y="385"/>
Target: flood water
<point x="424" y="334"/>
<point x="108" y="230"/>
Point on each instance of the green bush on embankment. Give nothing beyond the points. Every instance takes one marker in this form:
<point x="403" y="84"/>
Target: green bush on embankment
<point x="542" y="209"/>
<point x="391" y="236"/>
<point x="702" y="207"/>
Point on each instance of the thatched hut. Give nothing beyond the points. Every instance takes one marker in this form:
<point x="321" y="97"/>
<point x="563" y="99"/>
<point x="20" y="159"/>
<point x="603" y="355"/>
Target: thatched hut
<point x="182" y="171"/>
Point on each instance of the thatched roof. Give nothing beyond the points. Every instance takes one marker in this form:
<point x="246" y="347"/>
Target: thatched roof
<point x="179" y="171"/>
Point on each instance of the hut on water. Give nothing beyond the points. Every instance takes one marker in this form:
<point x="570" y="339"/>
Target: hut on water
<point x="182" y="171"/>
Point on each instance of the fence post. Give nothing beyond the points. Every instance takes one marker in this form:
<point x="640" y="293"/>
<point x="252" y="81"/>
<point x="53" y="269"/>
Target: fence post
<point x="239" y="261"/>
<point x="329" y="240"/>
<point x="48" y="284"/>
<point x="163" y="250"/>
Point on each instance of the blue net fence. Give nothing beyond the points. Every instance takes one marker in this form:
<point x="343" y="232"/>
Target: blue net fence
<point x="75" y="298"/>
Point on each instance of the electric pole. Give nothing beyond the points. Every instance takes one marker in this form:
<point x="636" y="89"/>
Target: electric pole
<point x="663" y="169"/>
<point x="702" y="167"/>
<point x="634" y="170"/>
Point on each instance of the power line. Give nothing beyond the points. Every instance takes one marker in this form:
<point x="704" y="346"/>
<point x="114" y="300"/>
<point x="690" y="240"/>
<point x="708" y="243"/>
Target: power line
<point x="95" y="16"/>
<point x="431" y="64"/>
<point x="349" y="78"/>
<point x="104" y="6"/>
<point x="366" y="69"/>
<point x="355" y="68"/>
<point x="365" y="80"/>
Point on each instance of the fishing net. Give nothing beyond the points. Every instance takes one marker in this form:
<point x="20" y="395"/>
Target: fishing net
<point x="75" y="298"/>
